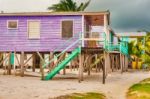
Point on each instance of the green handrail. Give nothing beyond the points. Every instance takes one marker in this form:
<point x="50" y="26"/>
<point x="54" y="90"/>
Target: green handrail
<point x="61" y="53"/>
<point x="64" y="43"/>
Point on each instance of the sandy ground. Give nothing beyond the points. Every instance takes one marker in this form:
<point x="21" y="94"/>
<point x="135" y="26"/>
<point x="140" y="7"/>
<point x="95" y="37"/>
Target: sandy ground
<point x="15" y="87"/>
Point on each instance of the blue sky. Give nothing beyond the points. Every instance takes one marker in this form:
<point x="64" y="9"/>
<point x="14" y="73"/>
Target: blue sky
<point x="126" y="15"/>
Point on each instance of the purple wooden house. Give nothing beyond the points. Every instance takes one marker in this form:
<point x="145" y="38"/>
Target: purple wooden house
<point x="48" y="32"/>
<point x="45" y="31"/>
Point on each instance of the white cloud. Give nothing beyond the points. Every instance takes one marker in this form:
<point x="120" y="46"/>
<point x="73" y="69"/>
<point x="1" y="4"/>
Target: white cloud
<point x="25" y="5"/>
<point x="126" y="15"/>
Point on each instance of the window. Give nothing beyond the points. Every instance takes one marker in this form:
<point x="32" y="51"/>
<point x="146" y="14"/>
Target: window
<point x="12" y="24"/>
<point x="34" y="29"/>
<point x="67" y="29"/>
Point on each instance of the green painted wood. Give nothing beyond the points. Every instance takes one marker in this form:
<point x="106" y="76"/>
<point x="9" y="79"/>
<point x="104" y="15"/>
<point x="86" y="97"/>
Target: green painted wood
<point x="12" y="59"/>
<point x="63" y="64"/>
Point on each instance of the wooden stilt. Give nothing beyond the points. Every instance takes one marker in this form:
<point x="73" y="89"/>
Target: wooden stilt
<point x="64" y="71"/>
<point x="9" y="65"/>
<point x="33" y="67"/>
<point x="126" y="63"/>
<point x="123" y="56"/>
<point x="22" y="64"/>
<point x="88" y="65"/>
<point x="71" y="65"/>
<point x="80" y="67"/>
<point x="41" y="64"/>
<point x="51" y="65"/>
<point x="96" y="64"/>
<point x="104" y="67"/>
<point x="14" y="64"/>
<point x="108" y="63"/>
<point x="113" y="62"/>
<point x="121" y="63"/>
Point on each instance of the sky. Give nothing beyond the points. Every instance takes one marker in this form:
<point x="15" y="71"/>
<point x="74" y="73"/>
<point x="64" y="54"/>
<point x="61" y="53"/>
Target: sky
<point x="126" y="15"/>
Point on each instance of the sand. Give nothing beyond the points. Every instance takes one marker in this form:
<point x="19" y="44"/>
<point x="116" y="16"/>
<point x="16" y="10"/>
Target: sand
<point x="15" y="87"/>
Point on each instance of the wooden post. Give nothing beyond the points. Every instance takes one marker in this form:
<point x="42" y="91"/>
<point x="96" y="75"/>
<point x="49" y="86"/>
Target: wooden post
<point x="118" y="62"/>
<point x="104" y="67"/>
<point x="64" y="70"/>
<point x="88" y="65"/>
<point x="121" y="63"/>
<point x="33" y="67"/>
<point x="51" y="65"/>
<point x="80" y="67"/>
<point x="14" y="63"/>
<point x="9" y="65"/>
<point x="108" y="63"/>
<point x="96" y="64"/>
<point x="113" y="62"/>
<point x="126" y="63"/>
<point x="71" y="65"/>
<point x="22" y="64"/>
<point x="41" y="68"/>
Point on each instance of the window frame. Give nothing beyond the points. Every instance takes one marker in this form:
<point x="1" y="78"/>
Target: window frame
<point x="62" y="28"/>
<point x="28" y="29"/>
<point x="12" y="28"/>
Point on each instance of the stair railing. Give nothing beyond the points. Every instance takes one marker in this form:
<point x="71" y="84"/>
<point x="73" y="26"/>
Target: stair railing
<point x="77" y="41"/>
<point x="65" y="42"/>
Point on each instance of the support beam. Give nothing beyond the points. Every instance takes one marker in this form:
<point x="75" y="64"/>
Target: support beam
<point x="9" y="65"/>
<point x="14" y="67"/>
<point x="22" y="64"/>
<point x="51" y="65"/>
<point x="5" y="59"/>
<point x="81" y="56"/>
<point x="34" y="60"/>
<point x="28" y="60"/>
<point x="41" y="64"/>
<point x="17" y="60"/>
<point x="104" y="68"/>
<point x="88" y="65"/>
<point x="121" y="63"/>
<point x="126" y="63"/>
<point x="40" y="56"/>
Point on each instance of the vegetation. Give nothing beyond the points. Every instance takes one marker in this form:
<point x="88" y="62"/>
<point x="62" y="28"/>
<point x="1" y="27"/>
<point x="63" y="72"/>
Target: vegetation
<point x="90" y="95"/>
<point x="140" y="90"/>
<point x="68" y="5"/>
<point x="140" y="49"/>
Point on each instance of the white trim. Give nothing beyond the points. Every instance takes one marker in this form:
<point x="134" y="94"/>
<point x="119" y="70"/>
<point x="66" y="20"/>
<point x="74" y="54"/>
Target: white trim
<point x="28" y="29"/>
<point x="61" y="27"/>
<point x="106" y="27"/>
<point x="12" y="28"/>
<point x="82" y="34"/>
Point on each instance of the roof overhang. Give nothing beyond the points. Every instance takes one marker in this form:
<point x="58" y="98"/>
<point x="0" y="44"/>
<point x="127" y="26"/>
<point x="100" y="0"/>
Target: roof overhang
<point x="53" y="13"/>
<point x="131" y="34"/>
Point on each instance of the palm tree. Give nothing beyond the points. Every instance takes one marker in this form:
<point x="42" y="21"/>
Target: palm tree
<point x="68" y="5"/>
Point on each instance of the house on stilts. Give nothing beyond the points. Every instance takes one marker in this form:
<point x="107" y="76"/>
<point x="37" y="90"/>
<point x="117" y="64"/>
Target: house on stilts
<point x="54" y="39"/>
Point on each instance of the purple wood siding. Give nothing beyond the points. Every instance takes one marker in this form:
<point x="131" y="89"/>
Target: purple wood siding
<point x="50" y="33"/>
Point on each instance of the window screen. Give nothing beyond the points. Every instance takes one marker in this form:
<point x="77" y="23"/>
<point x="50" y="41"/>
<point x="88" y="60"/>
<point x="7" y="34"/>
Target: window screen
<point x="67" y="29"/>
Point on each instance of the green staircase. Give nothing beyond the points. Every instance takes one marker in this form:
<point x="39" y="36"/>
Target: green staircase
<point x="62" y="64"/>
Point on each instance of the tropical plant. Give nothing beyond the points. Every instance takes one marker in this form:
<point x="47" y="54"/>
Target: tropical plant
<point x="140" y="49"/>
<point x="68" y="5"/>
<point x="146" y="56"/>
<point x="135" y="50"/>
